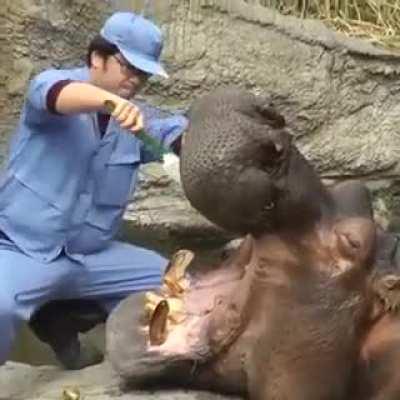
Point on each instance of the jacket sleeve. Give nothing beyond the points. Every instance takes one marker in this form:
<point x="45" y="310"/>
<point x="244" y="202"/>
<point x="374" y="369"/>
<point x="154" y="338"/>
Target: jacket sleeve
<point x="40" y="86"/>
<point x="162" y="125"/>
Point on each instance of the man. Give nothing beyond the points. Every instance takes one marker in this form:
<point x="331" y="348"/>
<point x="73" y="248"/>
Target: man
<point x="70" y="174"/>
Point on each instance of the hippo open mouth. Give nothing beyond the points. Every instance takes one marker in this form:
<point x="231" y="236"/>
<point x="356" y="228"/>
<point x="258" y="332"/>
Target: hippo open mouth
<point x="278" y="311"/>
<point x="176" y="323"/>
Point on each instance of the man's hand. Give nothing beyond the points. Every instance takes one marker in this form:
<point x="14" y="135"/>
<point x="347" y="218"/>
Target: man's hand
<point x="127" y="115"/>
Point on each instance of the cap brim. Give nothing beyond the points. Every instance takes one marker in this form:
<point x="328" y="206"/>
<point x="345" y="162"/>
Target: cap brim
<point x="144" y="64"/>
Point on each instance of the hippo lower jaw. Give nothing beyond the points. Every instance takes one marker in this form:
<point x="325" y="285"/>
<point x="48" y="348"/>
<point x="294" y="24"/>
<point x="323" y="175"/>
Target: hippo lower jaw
<point x="172" y="332"/>
<point x="271" y="322"/>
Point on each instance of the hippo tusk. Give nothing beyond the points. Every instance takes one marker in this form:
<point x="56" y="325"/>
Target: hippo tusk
<point x="158" y="324"/>
<point x="175" y="272"/>
<point x="173" y="288"/>
<point x="179" y="262"/>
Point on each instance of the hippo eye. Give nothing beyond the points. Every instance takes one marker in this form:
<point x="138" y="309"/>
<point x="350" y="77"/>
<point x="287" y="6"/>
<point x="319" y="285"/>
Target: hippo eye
<point x="351" y="242"/>
<point x="269" y="206"/>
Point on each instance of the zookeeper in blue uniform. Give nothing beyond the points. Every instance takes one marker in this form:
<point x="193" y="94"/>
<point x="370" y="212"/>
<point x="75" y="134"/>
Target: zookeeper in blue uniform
<point x="70" y="174"/>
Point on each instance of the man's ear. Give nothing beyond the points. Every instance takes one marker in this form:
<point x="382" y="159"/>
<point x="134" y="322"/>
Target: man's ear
<point x="97" y="60"/>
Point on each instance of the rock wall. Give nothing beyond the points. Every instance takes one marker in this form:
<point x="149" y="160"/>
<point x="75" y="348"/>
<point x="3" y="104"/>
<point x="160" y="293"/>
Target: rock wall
<point x="340" y="96"/>
<point x="24" y="382"/>
<point x="35" y="34"/>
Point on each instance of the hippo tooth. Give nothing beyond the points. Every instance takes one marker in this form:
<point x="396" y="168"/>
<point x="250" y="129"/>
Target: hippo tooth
<point x="165" y="290"/>
<point x="144" y="329"/>
<point x="149" y="309"/>
<point x="174" y="288"/>
<point x="184" y="283"/>
<point x="178" y="264"/>
<point x="177" y="318"/>
<point x="176" y="313"/>
<point x="153" y="298"/>
<point x="175" y="305"/>
<point x="174" y="278"/>
<point x="151" y="301"/>
<point x="158" y="324"/>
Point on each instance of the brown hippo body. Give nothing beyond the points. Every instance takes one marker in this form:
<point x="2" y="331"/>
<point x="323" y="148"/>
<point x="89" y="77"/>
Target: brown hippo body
<point x="305" y="308"/>
<point x="287" y="321"/>
<point x="302" y="322"/>
<point x="313" y="328"/>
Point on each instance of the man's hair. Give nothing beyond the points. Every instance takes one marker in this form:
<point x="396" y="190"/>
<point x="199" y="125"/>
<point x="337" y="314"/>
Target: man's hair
<point x="102" y="47"/>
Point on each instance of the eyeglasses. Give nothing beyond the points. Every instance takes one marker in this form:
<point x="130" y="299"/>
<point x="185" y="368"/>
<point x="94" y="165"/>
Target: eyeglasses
<point x="128" y="69"/>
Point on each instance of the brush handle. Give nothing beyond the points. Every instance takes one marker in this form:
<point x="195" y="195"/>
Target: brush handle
<point x="152" y="144"/>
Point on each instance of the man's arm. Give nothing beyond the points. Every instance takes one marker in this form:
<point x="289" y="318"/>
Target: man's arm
<point x="81" y="97"/>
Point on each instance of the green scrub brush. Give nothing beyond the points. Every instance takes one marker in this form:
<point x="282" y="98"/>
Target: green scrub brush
<point x="170" y="161"/>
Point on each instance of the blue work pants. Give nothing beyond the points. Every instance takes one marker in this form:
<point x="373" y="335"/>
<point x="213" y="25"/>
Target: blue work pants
<point x="107" y="276"/>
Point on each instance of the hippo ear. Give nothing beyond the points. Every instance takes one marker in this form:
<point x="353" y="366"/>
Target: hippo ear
<point x="240" y="256"/>
<point x="244" y="253"/>
<point x="387" y="288"/>
<point x="265" y="108"/>
<point x="271" y="116"/>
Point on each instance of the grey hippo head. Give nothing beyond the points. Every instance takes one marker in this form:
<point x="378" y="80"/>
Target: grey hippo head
<point x="240" y="170"/>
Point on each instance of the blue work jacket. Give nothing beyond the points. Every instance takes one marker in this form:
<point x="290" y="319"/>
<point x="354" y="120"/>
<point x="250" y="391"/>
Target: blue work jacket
<point x="65" y="187"/>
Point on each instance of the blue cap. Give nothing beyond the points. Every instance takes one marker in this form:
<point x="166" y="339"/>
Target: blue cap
<point x="138" y="39"/>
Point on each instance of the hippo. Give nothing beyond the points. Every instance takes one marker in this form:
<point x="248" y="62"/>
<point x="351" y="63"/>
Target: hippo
<point x="305" y="307"/>
<point x="310" y="294"/>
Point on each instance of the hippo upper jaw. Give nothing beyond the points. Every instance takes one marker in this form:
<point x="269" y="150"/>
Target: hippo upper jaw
<point x="241" y="169"/>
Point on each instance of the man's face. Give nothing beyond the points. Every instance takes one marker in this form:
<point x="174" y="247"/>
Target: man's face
<point x="116" y="75"/>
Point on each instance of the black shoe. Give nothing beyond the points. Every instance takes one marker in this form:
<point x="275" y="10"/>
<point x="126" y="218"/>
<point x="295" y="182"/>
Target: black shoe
<point x="73" y="356"/>
<point x="59" y="323"/>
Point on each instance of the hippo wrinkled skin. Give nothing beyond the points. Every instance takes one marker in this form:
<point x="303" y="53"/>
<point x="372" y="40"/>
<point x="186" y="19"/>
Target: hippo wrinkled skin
<point x="304" y="309"/>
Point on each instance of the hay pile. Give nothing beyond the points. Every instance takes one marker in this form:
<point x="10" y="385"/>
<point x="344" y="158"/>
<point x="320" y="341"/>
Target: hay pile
<point x="375" y="20"/>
